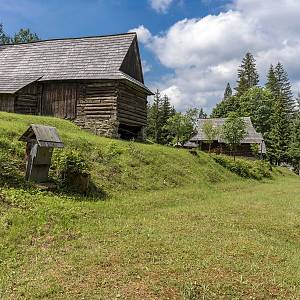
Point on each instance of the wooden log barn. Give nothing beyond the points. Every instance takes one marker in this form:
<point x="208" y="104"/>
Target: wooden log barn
<point x="97" y="82"/>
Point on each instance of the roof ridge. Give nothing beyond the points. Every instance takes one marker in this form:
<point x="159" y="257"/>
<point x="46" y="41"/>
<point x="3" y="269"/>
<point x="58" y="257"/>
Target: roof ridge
<point x="71" y="38"/>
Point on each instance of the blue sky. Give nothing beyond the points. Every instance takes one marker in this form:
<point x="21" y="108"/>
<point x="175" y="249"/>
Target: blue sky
<point x="190" y="48"/>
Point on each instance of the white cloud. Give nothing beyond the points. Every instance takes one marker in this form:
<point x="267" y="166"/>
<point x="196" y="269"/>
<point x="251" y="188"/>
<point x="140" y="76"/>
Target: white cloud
<point x="146" y="66"/>
<point x="160" y="6"/>
<point x="144" y="35"/>
<point x="205" y="53"/>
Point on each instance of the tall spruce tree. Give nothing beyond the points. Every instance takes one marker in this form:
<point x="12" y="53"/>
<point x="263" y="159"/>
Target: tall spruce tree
<point x="285" y="89"/>
<point x="272" y="82"/>
<point x="202" y="114"/>
<point x="247" y="75"/>
<point x="167" y="111"/>
<point x="159" y="112"/>
<point x="4" y="38"/>
<point x="228" y="91"/>
<point x="155" y="118"/>
<point x="294" y="146"/>
<point x="278" y="138"/>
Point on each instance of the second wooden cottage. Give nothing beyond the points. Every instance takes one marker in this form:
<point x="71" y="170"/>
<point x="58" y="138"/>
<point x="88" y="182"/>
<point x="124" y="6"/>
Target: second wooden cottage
<point x="219" y="146"/>
<point x="95" y="81"/>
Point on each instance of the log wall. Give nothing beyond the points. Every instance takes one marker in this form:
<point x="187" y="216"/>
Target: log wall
<point x="132" y="106"/>
<point x="97" y="108"/>
<point x="7" y="102"/>
<point x="28" y="99"/>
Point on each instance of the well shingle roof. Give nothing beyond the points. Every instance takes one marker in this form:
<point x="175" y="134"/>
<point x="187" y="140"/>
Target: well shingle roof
<point x="66" y="59"/>
<point x="45" y="136"/>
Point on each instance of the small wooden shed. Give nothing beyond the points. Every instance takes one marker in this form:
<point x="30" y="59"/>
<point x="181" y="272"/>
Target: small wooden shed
<point x="40" y="141"/>
<point x="96" y="81"/>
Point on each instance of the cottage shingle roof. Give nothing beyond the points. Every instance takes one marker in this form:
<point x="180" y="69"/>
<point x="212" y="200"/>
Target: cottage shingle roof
<point x="252" y="136"/>
<point x="65" y="59"/>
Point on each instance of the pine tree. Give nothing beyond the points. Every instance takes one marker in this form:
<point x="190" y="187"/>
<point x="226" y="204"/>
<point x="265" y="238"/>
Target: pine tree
<point x="294" y="146"/>
<point x="4" y="38"/>
<point x="202" y="114"/>
<point x="285" y="89"/>
<point x="155" y="119"/>
<point x="24" y="36"/>
<point x="297" y="101"/>
<point x="167" y="111"/>
<point x="278" y="138"/>
<point x="228" y="91"/>
<point x="272" y="82"/>
<point x="247" y="75"/>
<point x="283" y="109"/>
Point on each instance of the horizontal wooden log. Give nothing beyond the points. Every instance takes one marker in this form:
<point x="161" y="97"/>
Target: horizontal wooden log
<point x="126" y="94"/>
<point x="131" y="90"/>
<point x="99" y="117"/>
<point x="25" y="102"/>
<point x="89" y="101"/>
<point x="132" y="100"/>
<point x="132" y="108"/>
<point x="129" y="122"/>
<point x="133" y="114"/>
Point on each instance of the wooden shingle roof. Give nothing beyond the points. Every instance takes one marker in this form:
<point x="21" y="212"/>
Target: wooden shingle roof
<point x="252" y="136"/>
<point x="45" y="136"/>
<point x="64" y="59"/>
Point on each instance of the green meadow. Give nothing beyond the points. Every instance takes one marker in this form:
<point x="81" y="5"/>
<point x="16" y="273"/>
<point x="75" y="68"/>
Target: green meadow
<point x="160" y="223"/>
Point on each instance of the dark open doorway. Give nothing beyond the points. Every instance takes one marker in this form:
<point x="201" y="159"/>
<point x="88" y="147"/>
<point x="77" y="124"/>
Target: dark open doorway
<point x="127" y="132"/>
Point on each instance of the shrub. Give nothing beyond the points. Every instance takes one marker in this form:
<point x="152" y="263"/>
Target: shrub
<point x="72" y="169"/>
<point x="245" y="168"/>
<point x="70" y="162"/>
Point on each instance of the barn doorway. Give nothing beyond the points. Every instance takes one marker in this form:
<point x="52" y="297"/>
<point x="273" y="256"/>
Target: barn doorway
<point x="59" y="100"/>
<point x="127" y="132"/>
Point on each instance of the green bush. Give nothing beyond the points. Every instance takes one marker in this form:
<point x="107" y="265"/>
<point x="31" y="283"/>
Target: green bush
<point x="245" y="168"/>
<point x="68" y="162"/>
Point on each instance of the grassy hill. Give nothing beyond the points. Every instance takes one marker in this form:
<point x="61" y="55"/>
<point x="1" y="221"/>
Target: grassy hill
<point x="172" y="225"/>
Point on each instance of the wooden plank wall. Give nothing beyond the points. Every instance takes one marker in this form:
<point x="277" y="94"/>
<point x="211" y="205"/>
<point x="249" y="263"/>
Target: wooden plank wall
<point x="132" y="64"/>
<point x="59" y="99"/>
<point x="27" y="99"/>
<point x="132" y="106"/>
<point x="7" y="102"/>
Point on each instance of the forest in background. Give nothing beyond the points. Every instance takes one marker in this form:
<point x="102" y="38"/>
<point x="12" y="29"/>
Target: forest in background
<point x="273" y="108"/>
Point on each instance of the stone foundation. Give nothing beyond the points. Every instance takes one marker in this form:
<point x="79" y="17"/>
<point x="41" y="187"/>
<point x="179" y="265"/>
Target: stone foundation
<point x="107" y="128"/>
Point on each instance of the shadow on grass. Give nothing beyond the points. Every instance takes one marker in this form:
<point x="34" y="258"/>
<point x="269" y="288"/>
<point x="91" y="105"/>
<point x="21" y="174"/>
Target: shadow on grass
<point x="11" y="177"/>
<point x="60" y="188"/>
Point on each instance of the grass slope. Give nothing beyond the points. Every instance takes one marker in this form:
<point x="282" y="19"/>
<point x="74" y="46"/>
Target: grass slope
<point x="174" y="226"/>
